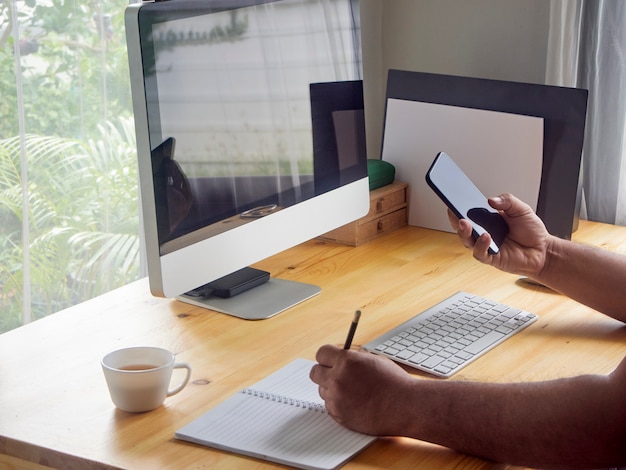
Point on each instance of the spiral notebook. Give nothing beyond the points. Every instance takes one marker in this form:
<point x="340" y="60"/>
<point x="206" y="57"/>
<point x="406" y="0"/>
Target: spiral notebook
<point x="281" y="419"/>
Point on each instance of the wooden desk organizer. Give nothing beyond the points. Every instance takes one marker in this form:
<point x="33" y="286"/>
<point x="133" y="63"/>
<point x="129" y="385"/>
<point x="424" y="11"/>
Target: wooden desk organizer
<point x="388" y="212"/>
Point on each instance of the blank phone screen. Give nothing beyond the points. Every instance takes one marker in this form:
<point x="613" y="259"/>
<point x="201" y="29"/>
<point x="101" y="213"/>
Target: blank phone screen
<point x="465" y="199"/>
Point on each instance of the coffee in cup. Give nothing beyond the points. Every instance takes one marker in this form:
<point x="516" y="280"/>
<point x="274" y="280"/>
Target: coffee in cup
<point x="139" y="378"/>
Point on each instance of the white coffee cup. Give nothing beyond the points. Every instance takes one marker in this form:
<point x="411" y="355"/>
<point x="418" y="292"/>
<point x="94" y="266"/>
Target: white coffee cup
<point x="139" y="378"/>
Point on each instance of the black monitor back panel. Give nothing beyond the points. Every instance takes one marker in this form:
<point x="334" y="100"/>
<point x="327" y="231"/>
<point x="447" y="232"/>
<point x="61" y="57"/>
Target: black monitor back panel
<point x="326" y="99"/>
<point x="563" y="111"/>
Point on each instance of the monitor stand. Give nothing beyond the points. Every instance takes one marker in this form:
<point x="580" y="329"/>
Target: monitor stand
<point x="261" y="302"/>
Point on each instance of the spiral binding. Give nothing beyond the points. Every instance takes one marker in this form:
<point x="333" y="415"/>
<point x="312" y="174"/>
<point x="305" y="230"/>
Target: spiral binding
<point x="285" y="400"/>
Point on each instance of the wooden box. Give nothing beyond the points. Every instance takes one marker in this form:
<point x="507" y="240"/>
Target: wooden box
<point x="388" y="211"/>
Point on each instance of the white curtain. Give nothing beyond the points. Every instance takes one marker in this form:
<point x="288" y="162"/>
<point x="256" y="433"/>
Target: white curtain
<point x="586" y="49"/>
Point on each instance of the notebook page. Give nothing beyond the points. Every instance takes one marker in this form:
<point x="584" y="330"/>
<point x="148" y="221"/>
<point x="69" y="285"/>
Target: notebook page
<point x="292" y="381"/>
<point x="276" y="431"/>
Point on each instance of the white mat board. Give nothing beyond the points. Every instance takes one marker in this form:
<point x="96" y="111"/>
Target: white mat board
<point x="500" y="152"/>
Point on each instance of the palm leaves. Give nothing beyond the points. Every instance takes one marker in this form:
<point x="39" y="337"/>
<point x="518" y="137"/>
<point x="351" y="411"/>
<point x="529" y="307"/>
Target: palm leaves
<point x="79" y="215"/>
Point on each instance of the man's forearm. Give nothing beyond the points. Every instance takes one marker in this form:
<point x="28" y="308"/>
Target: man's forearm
<point x="587" y="274"/>
<point x="569" y="423"/>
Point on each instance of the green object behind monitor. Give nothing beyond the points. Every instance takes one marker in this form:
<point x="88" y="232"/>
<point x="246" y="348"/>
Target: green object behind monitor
<point x="380" y="173"/>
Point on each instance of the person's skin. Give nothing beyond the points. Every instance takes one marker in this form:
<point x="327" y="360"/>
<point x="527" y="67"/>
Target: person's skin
<point x="577" y="422"/>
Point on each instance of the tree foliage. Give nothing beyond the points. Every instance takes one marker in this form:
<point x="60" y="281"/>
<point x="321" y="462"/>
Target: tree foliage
<point x="82" y="220"/>
<point x="73" y="65"/>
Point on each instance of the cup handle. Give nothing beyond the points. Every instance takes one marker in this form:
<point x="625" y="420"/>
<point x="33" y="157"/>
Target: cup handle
<point x="181" y="365"/>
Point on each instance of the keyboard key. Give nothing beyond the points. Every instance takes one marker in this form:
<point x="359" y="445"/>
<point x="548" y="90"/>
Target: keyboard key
<point x="433" y="361"/>
<point x="391" y="351"/>
<point x="456" y="360"/>
<point x="465" y="355"/>
<point x="504" y="329"/>
<point x="418" y="358"/>
<point x="407" y="353"/>
<point x="484" y="342"/>
<point x="450" y="364"/>
<point x="442" y="369"/>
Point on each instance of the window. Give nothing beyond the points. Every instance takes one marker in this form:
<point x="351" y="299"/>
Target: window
<point x="68" y="187"/>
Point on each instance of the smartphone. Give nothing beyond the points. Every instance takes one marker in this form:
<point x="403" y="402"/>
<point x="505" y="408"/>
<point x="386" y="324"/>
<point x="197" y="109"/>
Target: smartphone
<point x="232" y="284"/>
<point x="465" y="200"/>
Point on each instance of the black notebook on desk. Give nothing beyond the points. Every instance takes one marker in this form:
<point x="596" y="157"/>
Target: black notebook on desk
<point x="282" y="419"/>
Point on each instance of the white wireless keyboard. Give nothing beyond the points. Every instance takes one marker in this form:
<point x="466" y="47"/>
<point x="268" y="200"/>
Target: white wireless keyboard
<point x="451" y="334"/>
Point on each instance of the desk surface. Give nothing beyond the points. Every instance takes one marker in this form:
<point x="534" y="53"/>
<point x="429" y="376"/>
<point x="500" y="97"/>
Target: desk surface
<point x="55" y="409"/>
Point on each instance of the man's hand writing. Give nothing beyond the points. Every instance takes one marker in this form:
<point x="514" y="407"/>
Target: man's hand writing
<point x="350" y="384"/>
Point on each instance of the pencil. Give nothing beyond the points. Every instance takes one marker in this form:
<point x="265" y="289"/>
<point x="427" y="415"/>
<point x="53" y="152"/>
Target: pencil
<point x="353" y="325"/>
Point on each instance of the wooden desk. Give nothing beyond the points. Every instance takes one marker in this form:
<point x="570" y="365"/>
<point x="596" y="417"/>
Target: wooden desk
<point x="54" y="405"/>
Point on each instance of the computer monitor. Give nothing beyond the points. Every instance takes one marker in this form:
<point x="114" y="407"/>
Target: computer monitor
<point x="222" y="101"/>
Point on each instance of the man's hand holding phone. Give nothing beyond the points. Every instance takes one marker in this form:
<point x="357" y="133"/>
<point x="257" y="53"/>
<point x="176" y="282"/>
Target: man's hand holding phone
<point x="519" y="246"/>
<point x="524" y="249"/>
